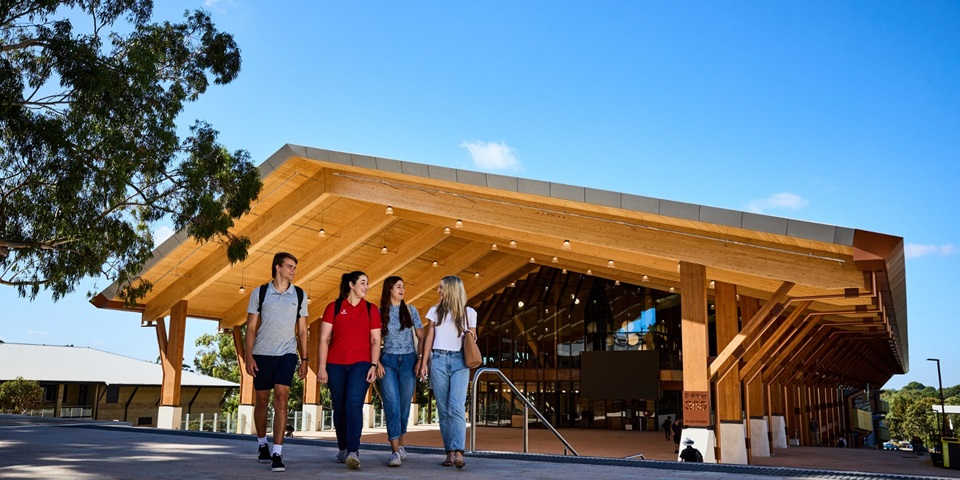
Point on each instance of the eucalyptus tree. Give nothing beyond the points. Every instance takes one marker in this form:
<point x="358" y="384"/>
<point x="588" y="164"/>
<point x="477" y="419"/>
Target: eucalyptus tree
<point x="91" y="153"/>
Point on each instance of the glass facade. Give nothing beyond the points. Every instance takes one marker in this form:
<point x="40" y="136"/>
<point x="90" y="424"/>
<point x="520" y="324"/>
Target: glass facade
<point x="536" y="331"/>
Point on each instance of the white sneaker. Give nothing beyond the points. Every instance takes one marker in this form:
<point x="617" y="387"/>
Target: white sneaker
<point x="394" y="459"/>
<point x="353" y="460"/>
<point x="402" y="452"/>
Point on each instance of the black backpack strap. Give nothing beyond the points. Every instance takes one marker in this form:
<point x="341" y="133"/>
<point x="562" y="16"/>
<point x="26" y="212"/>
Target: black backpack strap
<point x="263" y="295"/>
<point x="299" y="301"/>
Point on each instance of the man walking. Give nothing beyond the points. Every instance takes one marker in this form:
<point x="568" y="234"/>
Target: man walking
<point x="814" y="432"/>
<point x="276" y="333"/>
<point x="666" y="426"/>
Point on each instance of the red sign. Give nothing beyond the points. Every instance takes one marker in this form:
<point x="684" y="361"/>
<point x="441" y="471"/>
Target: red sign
<point x="696" y="408"/>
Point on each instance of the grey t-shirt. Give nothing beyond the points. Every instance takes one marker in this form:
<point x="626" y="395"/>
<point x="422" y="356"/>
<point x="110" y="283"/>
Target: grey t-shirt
<point x="276" y="334"/>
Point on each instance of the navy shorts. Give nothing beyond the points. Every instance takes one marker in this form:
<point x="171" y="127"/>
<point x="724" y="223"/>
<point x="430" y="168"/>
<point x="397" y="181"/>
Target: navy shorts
<point x="274" y="370"/>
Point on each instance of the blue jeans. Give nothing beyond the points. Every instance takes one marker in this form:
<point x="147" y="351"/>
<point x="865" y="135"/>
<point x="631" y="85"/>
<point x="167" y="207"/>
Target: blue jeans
<point x="348" y="389"/>
<point x="396" y="386"/>
<point x="449" y="377"/>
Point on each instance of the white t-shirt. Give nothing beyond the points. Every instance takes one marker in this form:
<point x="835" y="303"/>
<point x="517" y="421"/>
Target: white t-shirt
<point x="445" y="335"/>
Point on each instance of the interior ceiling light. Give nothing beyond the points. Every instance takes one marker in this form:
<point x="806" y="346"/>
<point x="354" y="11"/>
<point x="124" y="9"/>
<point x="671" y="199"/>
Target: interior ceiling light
<point x="645" y="278"/>
<point x="459" y="223"/>
<point x="564" y="271"/>
<point x="616" y="282"/>
<point x="611" y="264"/>
<point x="383" y="250"/>
<point x="322" y="233"/>
<point x="476" y="275"/>
<point x="436" y="264"/>
<point x="242" y="290"/>
<point x="589" y="272"/>
<point x="713" y="284"/>
<point x="493" y="247"/>
<point x="389" y="210"/>
<point x="446" y="230"/>
<point x="555" y="260"/>
<point x="513" y="244"/>
<point x="566" y="244"/>
<point x="672" y="289"/>
<point x="532" y="260"/>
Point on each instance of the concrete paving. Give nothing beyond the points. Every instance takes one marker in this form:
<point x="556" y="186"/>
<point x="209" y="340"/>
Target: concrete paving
<point x="33" y="448"/>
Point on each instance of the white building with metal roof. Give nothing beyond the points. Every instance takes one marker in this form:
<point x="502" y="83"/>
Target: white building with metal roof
<point x="85" y="382"/>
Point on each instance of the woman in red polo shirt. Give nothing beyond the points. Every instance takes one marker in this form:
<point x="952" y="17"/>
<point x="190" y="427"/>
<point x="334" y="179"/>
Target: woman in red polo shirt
<point x="347" y="363"/>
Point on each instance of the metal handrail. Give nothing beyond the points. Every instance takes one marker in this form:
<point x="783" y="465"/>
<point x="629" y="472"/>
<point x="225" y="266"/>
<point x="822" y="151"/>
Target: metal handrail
<point x="526" y="405"/>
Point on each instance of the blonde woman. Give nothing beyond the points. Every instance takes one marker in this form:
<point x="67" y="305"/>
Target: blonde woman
<point x="449" y="320"/>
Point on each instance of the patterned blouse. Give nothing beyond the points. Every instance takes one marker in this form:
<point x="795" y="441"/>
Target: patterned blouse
<point x="400" y="342"/>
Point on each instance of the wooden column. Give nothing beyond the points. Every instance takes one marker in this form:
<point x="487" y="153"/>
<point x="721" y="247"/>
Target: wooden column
<point x="693" y="326"/>
<point x="749" y="306"/>
<point x="311" y="386"/>
<point x="730" y="428"/>
<point x="729" y="407"/>
<point x="171" y="354"/>
<point x="247" y="395"/>
<point x="696" y="378"/>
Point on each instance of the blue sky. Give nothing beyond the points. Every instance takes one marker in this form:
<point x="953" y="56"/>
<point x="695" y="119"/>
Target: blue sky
<point x="839" y="112"/>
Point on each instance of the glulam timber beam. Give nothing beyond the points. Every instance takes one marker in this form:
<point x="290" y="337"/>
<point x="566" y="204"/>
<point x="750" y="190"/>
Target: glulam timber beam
<point x="335" y="247"/>
<point x="260" y="232"/>
<point x="592" y="232"/>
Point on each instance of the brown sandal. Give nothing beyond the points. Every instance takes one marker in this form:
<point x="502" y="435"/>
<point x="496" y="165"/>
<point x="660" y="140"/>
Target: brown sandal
<point x="459" y="461"/>
<point x="448" y="462"/>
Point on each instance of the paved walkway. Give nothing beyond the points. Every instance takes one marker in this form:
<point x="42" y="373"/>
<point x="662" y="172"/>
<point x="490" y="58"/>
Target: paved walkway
<point x="42" y="449"/>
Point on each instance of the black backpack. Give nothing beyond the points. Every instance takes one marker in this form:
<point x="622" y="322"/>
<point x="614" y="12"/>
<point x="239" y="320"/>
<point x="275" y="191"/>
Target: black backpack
<point x="263" y="294"/>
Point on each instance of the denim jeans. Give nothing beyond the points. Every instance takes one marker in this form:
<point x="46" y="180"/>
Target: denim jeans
<point x="396" y="386"/>
<point x="449" y="377"/>
<point x="348" y="389"/>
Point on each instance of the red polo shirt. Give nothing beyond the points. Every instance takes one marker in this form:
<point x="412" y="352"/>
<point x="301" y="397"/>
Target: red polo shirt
<point x="351" y="331"/>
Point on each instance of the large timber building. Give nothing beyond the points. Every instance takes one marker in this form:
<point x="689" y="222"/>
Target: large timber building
<point x="604" y="308"/>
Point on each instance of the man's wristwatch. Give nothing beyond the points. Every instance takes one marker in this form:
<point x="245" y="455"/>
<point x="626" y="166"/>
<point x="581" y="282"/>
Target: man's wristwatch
<point x="374" y="365"/>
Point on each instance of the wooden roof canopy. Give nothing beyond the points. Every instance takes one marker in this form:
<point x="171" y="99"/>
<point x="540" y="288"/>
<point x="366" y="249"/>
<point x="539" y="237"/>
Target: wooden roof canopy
<point x="848" y="292"/>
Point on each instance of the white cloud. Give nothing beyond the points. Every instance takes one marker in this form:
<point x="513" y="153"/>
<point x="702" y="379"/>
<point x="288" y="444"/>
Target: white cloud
<point x="917" y="250"/>
<point x="778" y="201"/>
<point x="492" y="155"/>
<point x="218" y="5"/>
<point x="162" y="233"/>
<point x="35" y="332"/>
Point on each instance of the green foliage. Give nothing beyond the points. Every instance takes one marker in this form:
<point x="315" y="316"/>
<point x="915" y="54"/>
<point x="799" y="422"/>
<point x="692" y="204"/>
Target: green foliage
<point x="911" y="411"/>
<point x="90" y="156"/>
<point x="19" y="396"/>
<point x="217" y="357"/>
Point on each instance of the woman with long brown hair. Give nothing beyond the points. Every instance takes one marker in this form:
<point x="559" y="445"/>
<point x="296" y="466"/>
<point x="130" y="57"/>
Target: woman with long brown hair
<point x="399" y="361"/>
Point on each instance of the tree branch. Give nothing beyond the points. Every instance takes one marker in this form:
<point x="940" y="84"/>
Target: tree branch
<point x="32" y="42"/>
